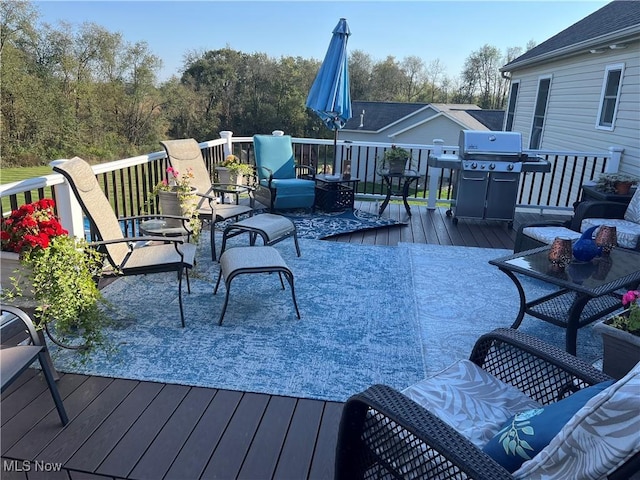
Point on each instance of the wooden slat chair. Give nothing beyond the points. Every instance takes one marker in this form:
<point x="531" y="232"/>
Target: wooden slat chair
<point x="16" y="359"/>
<point x="127" y="255"/>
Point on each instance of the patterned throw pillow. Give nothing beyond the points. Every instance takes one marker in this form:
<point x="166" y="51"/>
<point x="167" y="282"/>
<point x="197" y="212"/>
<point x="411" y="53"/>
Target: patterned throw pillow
<point x="632" y="213"/>
<point x="524" y="435"/>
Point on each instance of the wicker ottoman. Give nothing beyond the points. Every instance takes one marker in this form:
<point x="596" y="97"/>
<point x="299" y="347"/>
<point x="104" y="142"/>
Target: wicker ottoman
<point x="262" y="259"/>
<point x="272" y="228"/>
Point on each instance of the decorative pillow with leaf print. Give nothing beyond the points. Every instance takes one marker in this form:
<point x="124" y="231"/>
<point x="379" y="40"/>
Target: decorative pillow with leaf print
<point x="526" y="433"/>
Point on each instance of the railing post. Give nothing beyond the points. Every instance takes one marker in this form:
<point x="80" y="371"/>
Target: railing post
<point x="228" y="146"/>
<point x="69" y="210"/>
<point x="613" y="165"/>
<point x="434" y="175"/>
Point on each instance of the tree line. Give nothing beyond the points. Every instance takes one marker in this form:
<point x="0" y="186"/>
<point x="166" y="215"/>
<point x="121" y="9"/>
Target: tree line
<point x="82" y="90"/>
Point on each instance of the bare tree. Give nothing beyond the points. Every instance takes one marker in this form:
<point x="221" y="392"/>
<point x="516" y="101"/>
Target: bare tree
<point x="433" y="74"/>
<point x="415" y="74"/>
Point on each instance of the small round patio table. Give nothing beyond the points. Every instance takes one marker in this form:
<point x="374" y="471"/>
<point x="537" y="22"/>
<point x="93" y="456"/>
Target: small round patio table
<point x="403" y="182"/>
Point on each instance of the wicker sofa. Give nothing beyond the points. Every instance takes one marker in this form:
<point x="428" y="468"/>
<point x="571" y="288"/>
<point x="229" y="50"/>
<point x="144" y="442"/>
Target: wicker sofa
<point x="625" y="218"/>
<point x="385" y="434"/>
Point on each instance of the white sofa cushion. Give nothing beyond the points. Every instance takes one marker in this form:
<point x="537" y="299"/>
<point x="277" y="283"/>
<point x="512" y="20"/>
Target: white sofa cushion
<point x="473" y="402"/>
<point x="633" y="210"/>
<point x="548" y="234"/>
<point x="626" y="231"/>
<point x="598" y="439"/>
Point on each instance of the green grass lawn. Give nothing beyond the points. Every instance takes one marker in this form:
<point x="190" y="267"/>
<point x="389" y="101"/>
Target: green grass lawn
<point x="15" y="174"/>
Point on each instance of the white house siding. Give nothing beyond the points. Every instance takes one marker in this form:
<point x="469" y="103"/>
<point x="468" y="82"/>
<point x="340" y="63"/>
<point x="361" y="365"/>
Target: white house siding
<point x="574" y="101"/>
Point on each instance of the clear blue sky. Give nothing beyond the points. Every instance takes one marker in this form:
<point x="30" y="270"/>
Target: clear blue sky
<point x="446" y="30"/>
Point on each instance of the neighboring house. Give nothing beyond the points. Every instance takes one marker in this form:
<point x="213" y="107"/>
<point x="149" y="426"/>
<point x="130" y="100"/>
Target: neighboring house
<point x="580" y="90"/>
<point x="416" y="123"/>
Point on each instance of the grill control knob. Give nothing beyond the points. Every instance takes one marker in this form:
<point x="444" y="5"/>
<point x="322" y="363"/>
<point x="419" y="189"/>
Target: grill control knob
<point x="492" y="166"/>
<point x="510" y="167"/>
<point x="474" y="165"/>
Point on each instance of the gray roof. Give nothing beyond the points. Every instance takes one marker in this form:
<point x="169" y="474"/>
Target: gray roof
<point x="492" y="119"/>
<point x="379" y="114"/>
<point x="616" y="18"/>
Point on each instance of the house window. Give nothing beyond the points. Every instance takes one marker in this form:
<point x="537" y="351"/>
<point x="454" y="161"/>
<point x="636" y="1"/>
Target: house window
<point x="610" y="96"/>
<point x="511" y="109"/>
<point x="539" y="112"/>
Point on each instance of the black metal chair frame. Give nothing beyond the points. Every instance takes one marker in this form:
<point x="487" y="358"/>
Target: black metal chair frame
<point x="14" y="360"/>
<point x="98" y="214"/>
<point x="384" y="434"/>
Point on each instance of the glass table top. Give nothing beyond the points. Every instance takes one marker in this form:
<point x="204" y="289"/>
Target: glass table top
<point x="620" y="266"/>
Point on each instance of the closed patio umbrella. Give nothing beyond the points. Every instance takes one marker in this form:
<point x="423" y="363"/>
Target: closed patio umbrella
<point x="329" y="96"/>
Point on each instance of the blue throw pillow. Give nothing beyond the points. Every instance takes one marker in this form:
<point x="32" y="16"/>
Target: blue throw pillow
<point x="525" y="434"/>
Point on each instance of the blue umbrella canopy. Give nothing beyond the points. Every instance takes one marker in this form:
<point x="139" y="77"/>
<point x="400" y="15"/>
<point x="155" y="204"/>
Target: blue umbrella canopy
<point x="329" y="96"/>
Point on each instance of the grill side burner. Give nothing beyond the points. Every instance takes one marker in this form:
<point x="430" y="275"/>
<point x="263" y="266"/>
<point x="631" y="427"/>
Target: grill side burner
<point x="488" y="174"/>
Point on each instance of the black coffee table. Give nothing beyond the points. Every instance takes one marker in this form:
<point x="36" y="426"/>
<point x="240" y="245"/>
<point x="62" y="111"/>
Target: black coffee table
<point x="587" y="289"/>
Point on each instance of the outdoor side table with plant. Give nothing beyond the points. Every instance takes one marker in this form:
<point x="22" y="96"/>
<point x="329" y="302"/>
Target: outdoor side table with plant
<point x="178" y="198"/>
<point x="395" y="159"/>
<point x="55" y="274"/>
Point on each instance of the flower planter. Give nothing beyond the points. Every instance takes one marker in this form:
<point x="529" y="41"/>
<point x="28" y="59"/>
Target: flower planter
<point x="228" y="177"/>
<point x="12" y="267"/>
<point x="621" y="350"/>
<point x="397" y="165"/>
<point x="622" y="188"/>
<point x="172" y="204"/>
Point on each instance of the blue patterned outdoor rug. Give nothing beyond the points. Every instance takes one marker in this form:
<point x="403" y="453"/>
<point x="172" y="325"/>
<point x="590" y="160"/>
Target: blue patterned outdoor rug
<point x="356" y="328"/>
<point x="459" y="296"/>
<point x="319" y="224"/>
<point x="370" y="314"/>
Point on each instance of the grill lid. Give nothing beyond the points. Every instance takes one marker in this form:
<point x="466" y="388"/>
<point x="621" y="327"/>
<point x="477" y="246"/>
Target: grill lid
<point x="490" y="144"/>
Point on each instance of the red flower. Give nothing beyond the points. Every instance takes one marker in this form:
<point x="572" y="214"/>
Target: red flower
<point x="32" y="226"/>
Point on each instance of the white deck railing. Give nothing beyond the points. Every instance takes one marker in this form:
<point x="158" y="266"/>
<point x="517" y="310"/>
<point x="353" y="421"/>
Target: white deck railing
<point x="127" y="182"/>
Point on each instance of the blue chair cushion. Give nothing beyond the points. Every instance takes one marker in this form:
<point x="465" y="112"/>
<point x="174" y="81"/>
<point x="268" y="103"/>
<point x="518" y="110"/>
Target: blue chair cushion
<point x="276" y="154"/>
<point x="525" y="434"/>
<point x="292" y="186"/>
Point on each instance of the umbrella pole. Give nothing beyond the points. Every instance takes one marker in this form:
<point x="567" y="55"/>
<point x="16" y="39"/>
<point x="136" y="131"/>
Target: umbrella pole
<point x="335" y="149"/>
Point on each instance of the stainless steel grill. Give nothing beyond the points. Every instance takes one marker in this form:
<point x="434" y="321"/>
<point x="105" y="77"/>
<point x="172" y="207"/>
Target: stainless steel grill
<point x="488" y="169"/>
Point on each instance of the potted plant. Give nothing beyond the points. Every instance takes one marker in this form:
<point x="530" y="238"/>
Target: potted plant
<point x="232" y="171"/>
<point x="619" y="183"/>
<point x="177" y="196"/>
<point x="54" y="274"/>
<point x="395" y="159"/>
<point x="621" y="337"/>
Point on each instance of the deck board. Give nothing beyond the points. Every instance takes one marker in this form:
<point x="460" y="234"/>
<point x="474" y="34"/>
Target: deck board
<point x="262" y="457"/>
<point x="160" y="455"/>
<point x="128" y="429"/>
<point x="93" y="452"/>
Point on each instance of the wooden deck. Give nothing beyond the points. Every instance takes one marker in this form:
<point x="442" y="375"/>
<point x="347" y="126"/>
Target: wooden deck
<point x="143" y="430"/>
